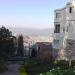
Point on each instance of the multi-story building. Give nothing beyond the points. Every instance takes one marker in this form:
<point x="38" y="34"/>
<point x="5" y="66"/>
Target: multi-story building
<point x="64" y="30"/>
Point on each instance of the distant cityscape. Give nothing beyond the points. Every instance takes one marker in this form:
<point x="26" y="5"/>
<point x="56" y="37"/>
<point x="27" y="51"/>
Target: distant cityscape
<point x="30" y="31"/>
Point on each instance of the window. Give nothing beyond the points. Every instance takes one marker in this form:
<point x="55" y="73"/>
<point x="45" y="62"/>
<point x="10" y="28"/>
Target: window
<point x="57" y="15"/>
<point x="57" y="28"/>
<point x="70" y="10"/>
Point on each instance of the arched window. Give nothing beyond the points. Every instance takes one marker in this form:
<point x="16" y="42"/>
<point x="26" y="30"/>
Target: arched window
<point x="57" y="28"/>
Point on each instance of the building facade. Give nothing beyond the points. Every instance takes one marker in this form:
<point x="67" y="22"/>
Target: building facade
<point x="64" y="31"/>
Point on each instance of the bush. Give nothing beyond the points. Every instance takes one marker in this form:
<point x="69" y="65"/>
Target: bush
<point x="61" y="63"/>
<point x="73" y="63"/>
<point x="3" y="67"/>
<point x="61" y="72"/>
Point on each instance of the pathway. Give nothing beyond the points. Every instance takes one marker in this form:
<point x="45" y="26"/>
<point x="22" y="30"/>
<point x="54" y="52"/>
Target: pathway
<point x="12" y="70"/>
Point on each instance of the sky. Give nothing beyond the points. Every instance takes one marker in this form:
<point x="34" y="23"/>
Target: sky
<point x="29" y="13"/>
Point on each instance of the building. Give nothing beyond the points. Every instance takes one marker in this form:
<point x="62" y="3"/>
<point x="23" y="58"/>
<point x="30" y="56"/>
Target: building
<point x="44" y="51"/>
<point x="64" y="32"/>
<point x="30" y="43"/>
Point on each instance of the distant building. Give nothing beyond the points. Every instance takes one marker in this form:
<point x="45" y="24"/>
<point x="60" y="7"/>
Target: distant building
<point x="44" y="51"/>
<point x="64" y="32"/>
<point x="30" y="42"/>
<point x="33" y="39"/>
<point x="40" y="50"/>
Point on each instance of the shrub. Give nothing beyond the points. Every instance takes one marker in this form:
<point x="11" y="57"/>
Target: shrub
<point x="73" y="63"/>
<point x="61" y="63"/>
<point x="70" y="71"/>
<point x="3" y="67"/>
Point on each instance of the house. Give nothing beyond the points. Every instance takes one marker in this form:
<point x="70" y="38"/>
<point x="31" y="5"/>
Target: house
<point x="64" y="32"/>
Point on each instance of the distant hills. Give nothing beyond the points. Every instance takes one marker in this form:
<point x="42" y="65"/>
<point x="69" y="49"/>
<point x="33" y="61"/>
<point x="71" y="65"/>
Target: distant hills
<point x="29" y="31"/>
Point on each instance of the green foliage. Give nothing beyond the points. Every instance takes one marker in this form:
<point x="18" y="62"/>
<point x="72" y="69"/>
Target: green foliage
<point x="35" y="67"/>
<point x="3" y="67"/>
<point x="61" y="63"/>
<point x="55" y="49"/>
<point x="61" y="72"/>
<point x="22" y="70"/>
<point x="20" y="46"/>
<point x="6" y="44"/>
<point x="33" y="53"/>
<point x="73" y="63"/>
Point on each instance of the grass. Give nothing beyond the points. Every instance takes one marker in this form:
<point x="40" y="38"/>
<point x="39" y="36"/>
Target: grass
<point x="22" y="70"/>
<point x="22" y="74"/>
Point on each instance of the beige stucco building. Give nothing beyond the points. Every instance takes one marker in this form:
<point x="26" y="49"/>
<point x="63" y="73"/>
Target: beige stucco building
<point x="64" y="31"/>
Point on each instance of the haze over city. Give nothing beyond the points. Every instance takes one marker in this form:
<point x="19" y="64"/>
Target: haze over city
<point x="29" y="13"/>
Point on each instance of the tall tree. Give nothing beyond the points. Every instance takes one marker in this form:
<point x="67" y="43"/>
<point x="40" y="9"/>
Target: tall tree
<point x="20" y="46"/>
<point x="5" y="43"/>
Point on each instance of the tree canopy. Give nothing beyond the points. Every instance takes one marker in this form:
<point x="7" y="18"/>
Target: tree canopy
<point x="6" y="43"/>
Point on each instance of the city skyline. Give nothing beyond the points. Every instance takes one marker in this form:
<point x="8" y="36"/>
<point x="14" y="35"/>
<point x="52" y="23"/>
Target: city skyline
<point x="29" y="13"/>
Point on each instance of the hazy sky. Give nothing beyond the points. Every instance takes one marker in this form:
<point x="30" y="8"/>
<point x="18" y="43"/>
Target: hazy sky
<point x="29" y="13"/>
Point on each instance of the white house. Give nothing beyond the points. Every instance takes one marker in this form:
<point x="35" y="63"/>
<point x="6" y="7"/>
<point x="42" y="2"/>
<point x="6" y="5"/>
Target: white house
<point x="64" y="30"/>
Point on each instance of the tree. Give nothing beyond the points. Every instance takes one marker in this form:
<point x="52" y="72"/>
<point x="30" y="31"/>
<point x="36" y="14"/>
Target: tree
<point x="12" y="45"/>
<point x="5" y="43"/>
<point x="20" y="46"/>
<point x="33" y="53"/>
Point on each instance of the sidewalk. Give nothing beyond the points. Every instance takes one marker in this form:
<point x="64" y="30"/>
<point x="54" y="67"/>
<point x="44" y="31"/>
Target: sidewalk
<point x="12" y="70"/>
